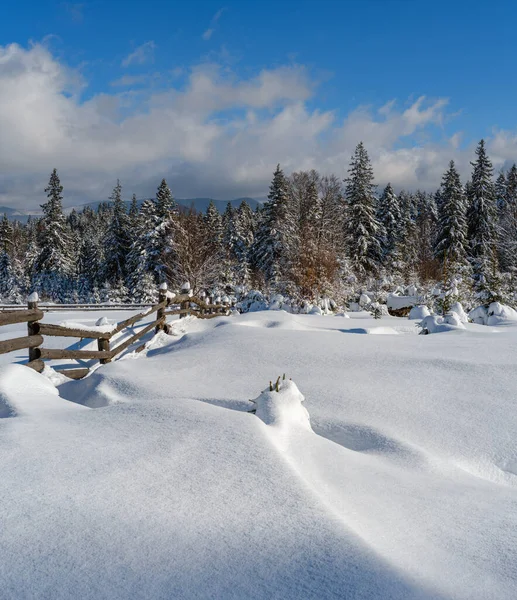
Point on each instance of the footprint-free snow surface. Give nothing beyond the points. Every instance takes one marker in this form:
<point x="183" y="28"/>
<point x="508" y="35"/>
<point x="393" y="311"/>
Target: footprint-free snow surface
<point x="386" y="469"/>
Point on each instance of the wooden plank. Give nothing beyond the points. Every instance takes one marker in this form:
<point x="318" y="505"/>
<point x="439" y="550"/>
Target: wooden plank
<point x="134" y="338"/>
<point x="123" y="324"/>
<point x="75" y="354"/>
<point x="74" y="373"/>
<point x="29" y="341"/>
<point x="8" y="317"/>
<point x="59" y="331"/>
<point x="38" y="365"/>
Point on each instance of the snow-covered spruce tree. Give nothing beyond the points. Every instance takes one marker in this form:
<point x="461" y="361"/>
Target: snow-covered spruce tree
<point x="451" y="239"/>
<point x="229" y="263"/>
<point x="389" y="215"/>
<point x="481" y="222"/>
<point x="53" y="265"/>
<point x="10" y="282"/>
<point x="144" y="253"/>
<point x="244" y="224"/>
<point x="362" y="226"/>
<point x="275" y="235"/>
<point x="166" y="214"/>
<point x="133" y="211"/>
<point x="507" y="233"/>
<point x="117" y="244"/>
<point x="406" y="251"/>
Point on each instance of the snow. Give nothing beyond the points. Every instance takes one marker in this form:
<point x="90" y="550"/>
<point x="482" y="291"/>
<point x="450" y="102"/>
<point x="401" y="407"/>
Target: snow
<point x="419" y="312"/>
<point x="495" y="314"/>
<point x="396" y="302"/>
<point x="458" y="309"/>
<point x="386" y="469"/>
<point x="102" y="325"/>
<point x="441" y="324"/>
<point x="33" y="297"/>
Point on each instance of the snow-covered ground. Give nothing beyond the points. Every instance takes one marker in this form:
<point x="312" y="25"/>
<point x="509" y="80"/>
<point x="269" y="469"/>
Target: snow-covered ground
<point x="395" y="478"/>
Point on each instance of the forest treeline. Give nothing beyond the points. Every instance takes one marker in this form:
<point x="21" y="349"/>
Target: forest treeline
<point x="315" y="236"/>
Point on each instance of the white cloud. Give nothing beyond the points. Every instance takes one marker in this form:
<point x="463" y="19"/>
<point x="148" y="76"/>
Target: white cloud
<point x="217" y="136"/>
<point x="141" y="55"/>
<point x="207" y="34"/>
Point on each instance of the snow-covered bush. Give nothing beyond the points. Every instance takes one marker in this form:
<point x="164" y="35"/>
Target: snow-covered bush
<point x="439" y="324"/>
<point x="494" y="314"/>
<point x="419" y="312"/>
<point x="253" y="301"/>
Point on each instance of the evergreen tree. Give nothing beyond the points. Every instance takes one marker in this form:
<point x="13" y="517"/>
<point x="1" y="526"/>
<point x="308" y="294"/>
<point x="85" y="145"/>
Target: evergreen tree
<point x="166" y="215"/>
<point x="117" y="241"/>
<point x="53" y="264"/>
<point x="481" y="218"/>
<point x="389" y="215"/>
<point x="451" y="241"/>
<point x="508" y="226"/>
<point x="362" y="227"/>
<point x="271" y="251"/>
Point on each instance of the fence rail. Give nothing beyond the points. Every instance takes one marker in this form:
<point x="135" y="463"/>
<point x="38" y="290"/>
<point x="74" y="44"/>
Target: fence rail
<point x="34" y="312"/>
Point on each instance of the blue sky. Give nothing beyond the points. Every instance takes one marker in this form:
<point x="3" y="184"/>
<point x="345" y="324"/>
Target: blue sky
<point x="242" y="85"/>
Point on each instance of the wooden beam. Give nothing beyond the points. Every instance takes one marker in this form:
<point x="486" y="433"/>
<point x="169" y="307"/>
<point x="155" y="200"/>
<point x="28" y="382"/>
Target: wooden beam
<point x="29" y="341"/>
<point x="123" y="324"/>
<point x="8" y="317"/>
<point x="74" y="373"/>
<point x="59" y="331"/>
<point x="52" y="354"/>
<point x="38" y="365"/>
<point x="135" y="337"/>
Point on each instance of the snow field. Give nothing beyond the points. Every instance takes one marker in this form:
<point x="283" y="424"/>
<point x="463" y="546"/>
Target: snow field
<point x="387" y="467"/>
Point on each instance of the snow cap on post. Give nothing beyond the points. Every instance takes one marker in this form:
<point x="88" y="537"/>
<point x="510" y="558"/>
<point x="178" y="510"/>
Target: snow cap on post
<point x="185" y="286"/>
<point x="33" y="297"/>
<point x="226" y="300"/>
<point x="163" y="286"/>
<point x="202" y="294"/>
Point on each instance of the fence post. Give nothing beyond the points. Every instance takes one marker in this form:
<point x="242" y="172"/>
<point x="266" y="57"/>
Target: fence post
<point x="104" y="344"/>
<point x="202" y="295"/>
<point x="33" y="326"/>
<point x="185" y="290"/>
<point x="162" y="297"/>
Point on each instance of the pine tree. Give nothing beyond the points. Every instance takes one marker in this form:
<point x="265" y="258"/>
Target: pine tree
<point x="389" y="215"/>
<point x="362" y="227"/>
<point x="166" y="215"/>
<point x="481" y="218"/>
<point x="117" y="242"/>
<point x="508" y="225"/>
<point x="53" y="264"/>
<point x="214" y="226"/>
<point x="275" y="233"/>
<point x="451" y="241"/>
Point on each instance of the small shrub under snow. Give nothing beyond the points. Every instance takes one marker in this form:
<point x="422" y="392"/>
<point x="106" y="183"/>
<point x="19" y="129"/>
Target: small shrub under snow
<point x="417" y="313"/>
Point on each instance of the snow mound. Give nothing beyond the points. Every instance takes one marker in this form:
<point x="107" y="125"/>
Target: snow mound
<point x="381" y="331"/>
<point x="396" y="302"/>
<point x="283" y="409"/>
<point x="419" y="312"/>
<point x="438" y="324"/>
<point x="23" y="392"/>
<point x="457" y="309"/>
<point x="495" y="314"/>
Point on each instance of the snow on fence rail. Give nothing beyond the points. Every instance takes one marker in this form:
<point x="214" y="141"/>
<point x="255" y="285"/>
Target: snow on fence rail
<point x="36" y="330"/>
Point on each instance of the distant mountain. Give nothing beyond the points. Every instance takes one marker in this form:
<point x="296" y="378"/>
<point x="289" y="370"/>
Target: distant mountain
<point x="200" y="204"/>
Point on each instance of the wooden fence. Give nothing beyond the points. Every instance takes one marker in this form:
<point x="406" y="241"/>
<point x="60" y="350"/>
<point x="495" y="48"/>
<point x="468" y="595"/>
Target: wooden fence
<point x="105" y="353"/>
